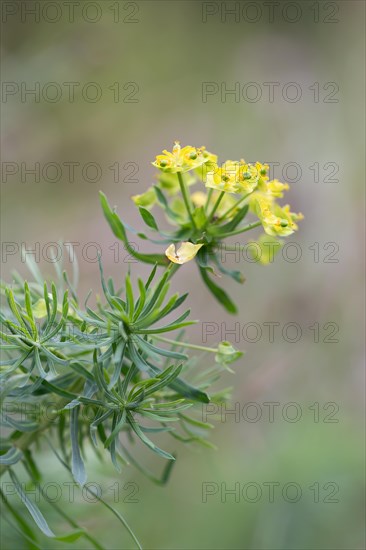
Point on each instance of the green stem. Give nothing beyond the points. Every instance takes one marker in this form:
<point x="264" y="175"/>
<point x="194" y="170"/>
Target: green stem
<point x="209" y="195"/>
<point x="242" y="230"/>
<point x="172" y="268"/>
<point x="216" y="205"/>
<point x="232" y="208"/>
<point x="184" y="345"/>
<point x="186" y="197"/>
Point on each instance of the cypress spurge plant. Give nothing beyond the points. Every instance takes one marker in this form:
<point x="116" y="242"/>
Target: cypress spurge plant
<point x="126" y="362"/>
<point x="204" y="219"/>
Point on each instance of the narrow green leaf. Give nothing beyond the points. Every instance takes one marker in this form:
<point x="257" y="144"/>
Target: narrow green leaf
<point x="12" y="456"/>
<point x="197" y="423"/>
<point x="129" y="297"/>
<point x="184" y="389"/>
<point x="219" y="293"/>
<point x="148" y="218"/>
<point x="141" y="301"/>
<point x="116" y="429"/>
<point x="25" y="529"/>
<point x="140" y="434"/>
<point x="57" y="390"/>
<point x="158" y="352"/>
<point x="77" y="464"/>
<point x="41" y="371"/>
<point x="164" y="378"/>
<point x="163" y="480"/>
<point x="20" y="425"/>
<point x="164" y="203"/>
<point x="119" y="231"/>
<point x="236" y="275"/>
<point x="110" y="299"/>
<point x="53" y="314"/>
<point x="46" y="299"/>
<point x="70" y="537"/>
<point x="138" y="360"/>
<point x="15" y="309"/>
<point x="28" y="306"/>
<point x="32" y="508"/>
<point x="232" y="224"/>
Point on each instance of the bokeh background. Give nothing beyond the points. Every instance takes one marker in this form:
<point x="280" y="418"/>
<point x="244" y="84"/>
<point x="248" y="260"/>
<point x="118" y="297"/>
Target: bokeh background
<point x="167" y="50"/>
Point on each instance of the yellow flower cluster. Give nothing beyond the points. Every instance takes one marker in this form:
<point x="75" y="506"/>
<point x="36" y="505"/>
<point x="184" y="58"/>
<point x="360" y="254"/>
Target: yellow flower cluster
<point x="236" y="177"/>
<point x="181" y="159"/>
<point x="275" y="188"/>
<point x="277" y="220"/>
<point x="249" y="182"/>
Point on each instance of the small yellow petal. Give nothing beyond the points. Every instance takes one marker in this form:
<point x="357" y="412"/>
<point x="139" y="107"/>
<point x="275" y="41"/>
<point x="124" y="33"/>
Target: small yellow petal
<point x="181" y="159"/>
<point x="184" y="254"/>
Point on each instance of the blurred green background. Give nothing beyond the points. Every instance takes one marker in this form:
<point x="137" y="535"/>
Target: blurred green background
<point x="167" y="50"/>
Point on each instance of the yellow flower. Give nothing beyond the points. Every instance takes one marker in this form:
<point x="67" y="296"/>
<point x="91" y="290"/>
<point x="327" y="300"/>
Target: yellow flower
<point x="263" y="170"/>
<point x="250" y="175"/>
<point x="275" y="188"/>
<point x="267" y="190"/>
<point x="276" y="220"/>
<point x="234" y="177"/>
<point x="208" y="166"/>
<point x="180" y="159"/>
<point x="224" y="178"/>
<point x="184" y="254"/>
<point x="209" y="157"/>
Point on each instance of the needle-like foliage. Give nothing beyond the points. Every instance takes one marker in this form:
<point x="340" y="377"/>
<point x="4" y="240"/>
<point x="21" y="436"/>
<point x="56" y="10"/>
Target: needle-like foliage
<point x="117" y="377"/>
